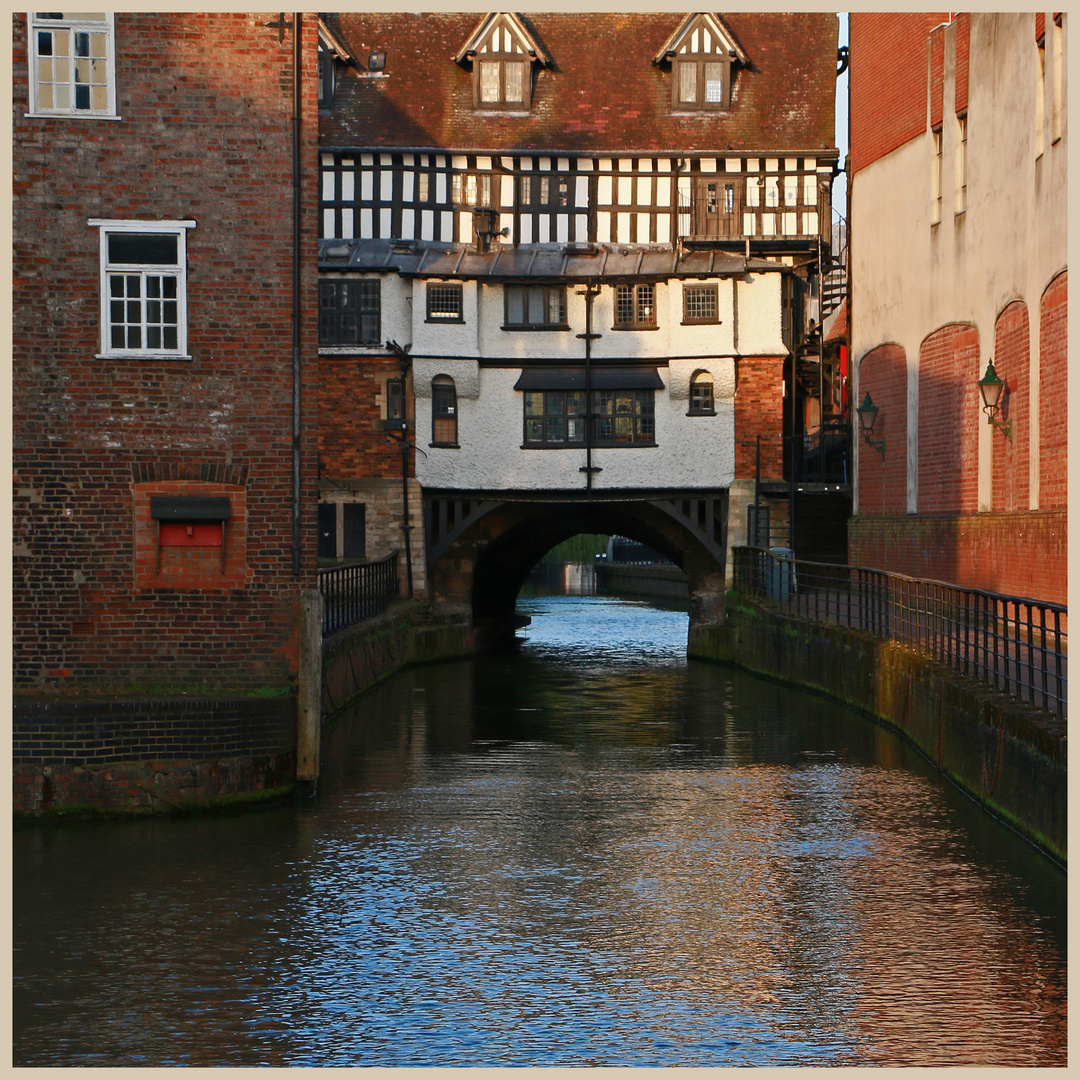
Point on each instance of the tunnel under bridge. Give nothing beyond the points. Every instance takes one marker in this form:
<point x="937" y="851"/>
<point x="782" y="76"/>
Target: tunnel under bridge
<point x="481" y="547"/>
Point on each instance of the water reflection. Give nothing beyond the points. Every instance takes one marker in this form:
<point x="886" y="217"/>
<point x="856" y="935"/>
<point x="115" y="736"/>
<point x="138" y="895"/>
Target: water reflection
<point x="584" y="851"/>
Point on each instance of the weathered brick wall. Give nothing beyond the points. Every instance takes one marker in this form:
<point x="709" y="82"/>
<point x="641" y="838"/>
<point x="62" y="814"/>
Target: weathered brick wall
<point x="1012" y="353"/>
<point x="352" y="413"/>
<point x="948" y="421"/>
<point x="151" y="754"/>
<point x="1053" y="410"/>
<point x="205" y="133"/>
<point x="759" y="410"/>
<point x="888" y="98"/>
<point x="978" y="551"/>
<point x="883" y="480"/>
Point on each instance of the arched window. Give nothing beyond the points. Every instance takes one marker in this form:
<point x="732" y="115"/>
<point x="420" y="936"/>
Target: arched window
<point x="443" y="411"/>
<point x="701" y="394"/>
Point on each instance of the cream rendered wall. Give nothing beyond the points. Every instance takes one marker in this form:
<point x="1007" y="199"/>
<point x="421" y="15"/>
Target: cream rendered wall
<point x="910" y="277"/>
<point x="692" y="451"/>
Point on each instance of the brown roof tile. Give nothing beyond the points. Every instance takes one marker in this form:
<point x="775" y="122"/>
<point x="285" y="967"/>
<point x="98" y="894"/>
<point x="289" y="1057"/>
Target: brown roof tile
<point x="602" y="93"/>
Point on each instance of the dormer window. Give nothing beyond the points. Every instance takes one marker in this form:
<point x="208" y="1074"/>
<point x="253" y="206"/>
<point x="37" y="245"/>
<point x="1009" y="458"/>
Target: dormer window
<point x="502" y="53"/>
<point x="702" y="53"/>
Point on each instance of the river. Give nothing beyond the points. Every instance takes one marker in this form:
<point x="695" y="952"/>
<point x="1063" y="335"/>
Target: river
<point x="584" y="850"/>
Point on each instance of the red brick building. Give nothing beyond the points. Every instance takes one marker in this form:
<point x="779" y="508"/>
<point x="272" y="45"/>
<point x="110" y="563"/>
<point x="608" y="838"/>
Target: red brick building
<point x="164" y="510"/>
<point x="959" y="144"/>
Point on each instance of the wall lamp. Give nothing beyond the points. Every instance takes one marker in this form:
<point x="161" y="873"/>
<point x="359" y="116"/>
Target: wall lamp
<point x="991" y="386"/>
<point x="867" y="418"/>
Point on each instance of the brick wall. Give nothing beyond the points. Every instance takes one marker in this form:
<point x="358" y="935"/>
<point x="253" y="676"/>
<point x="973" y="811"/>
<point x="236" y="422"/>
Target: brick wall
<point x="759" y="410"/>
<point x="978" y="551"/>
<point x="1012" y="353"/>
<point x="948" y="421"/>
<point x="205" y="134"/>
<point x="352" y="414"/>
<point x="882" y="481"/>
<point x="963" y="60"/>
<point x="1053" y="381"/>
<point x="888" y="81"/>
<point x="148" y="754"/>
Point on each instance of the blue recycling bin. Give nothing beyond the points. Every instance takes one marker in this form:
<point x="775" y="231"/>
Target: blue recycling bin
<point x="781" y="573"/>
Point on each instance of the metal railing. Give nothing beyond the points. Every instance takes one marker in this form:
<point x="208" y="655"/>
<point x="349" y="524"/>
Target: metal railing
<point x="1012" y="643"/>
<point x="354" y="593"/>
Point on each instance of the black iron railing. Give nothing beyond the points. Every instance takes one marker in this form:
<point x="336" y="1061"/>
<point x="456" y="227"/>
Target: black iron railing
<point x="1012" y="643"/>
<point x="352" y="594"/>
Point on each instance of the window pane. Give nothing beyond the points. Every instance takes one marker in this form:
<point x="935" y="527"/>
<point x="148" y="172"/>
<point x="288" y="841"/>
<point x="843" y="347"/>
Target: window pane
<point x="556" y="429"/>
<point x="148" y="248"/>
<point x="327" y="530"/>
<point x="489" y="81"/>
<point x="353" y="540"/>
<point x="515" y="304"/>
<point x="536" y="306"/>
<point x="624" y="303"/>
<point x="687" y="81"/>
<point x="534" y="429"/>
<point x="534" y="403"/>
<point x="514" y="81"/>
<point x="714" y="83"/>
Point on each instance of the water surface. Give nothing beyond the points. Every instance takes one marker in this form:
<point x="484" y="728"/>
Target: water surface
<point x="584" y="851"/>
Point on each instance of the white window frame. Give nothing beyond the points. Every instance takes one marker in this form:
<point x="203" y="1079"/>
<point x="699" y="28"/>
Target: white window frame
<point x="73" y="24"/>
<point x="107" y="228"/>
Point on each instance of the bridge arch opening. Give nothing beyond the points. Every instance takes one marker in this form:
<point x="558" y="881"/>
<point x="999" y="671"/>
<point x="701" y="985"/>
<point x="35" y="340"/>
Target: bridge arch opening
<point x="489" y="558"/>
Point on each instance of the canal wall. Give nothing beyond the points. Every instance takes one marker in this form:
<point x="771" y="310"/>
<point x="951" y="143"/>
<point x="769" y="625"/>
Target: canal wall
<point x="410" y="632"/>
<point x="185" y="753"/>
<point x="1008" y="756"/>
<point x="668" y="582"/>
<point x="144" y="755"/>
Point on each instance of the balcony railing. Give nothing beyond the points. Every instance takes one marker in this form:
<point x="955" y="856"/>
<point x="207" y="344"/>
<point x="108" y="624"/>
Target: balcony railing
<point x="1011" y="643"/>
<point x="354" y="593"/>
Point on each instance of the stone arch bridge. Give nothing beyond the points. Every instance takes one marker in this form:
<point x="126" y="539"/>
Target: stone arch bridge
<point x="481" y="546"/>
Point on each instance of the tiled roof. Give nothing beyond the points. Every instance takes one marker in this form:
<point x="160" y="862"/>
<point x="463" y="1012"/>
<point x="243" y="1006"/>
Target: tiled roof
<point x="602" y="92"/>
<point x="576" y="262"/>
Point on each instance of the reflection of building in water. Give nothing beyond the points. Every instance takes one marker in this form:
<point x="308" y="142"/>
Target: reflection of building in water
<point x="579" y="579"/>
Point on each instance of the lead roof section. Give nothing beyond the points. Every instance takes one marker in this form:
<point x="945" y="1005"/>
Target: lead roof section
<point x="574" y="262"/>
<point x="601" y="93"/>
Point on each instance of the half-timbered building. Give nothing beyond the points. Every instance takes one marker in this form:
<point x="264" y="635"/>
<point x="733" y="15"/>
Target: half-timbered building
<point x="571" y="258"/>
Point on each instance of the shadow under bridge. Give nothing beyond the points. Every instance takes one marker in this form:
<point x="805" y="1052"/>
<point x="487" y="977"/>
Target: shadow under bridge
<point x="480" y="548"/>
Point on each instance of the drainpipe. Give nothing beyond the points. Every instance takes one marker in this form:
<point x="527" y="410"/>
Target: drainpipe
<point x="297" y="105"/>
<point x="591" y="292"/>
<point x="402" y="353"/>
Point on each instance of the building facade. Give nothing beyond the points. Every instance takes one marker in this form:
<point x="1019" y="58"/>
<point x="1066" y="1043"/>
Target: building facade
<point x="567" y="275"/>
<point x="959" y="143"/>
<point x="164" y="385"/>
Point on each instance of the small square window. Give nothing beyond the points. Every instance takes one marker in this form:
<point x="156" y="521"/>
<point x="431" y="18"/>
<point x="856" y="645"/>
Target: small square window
<point x="699" y="304"/>
<point x="72" y="66"/>
<point x="635" y="307"/>
<point x="445" y="303"/>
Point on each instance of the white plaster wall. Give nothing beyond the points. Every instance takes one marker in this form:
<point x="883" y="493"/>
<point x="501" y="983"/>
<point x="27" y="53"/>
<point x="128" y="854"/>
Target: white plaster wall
<point x="444" y="337"/>
<point x="692" y="451"/>
<point x="758" y="327"/>
<point x="910" y="277"/>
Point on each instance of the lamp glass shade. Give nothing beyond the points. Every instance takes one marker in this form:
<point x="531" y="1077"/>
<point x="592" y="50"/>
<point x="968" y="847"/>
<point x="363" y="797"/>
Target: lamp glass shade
<point x="990" y="386"/>
<point x="867" y="413"/>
